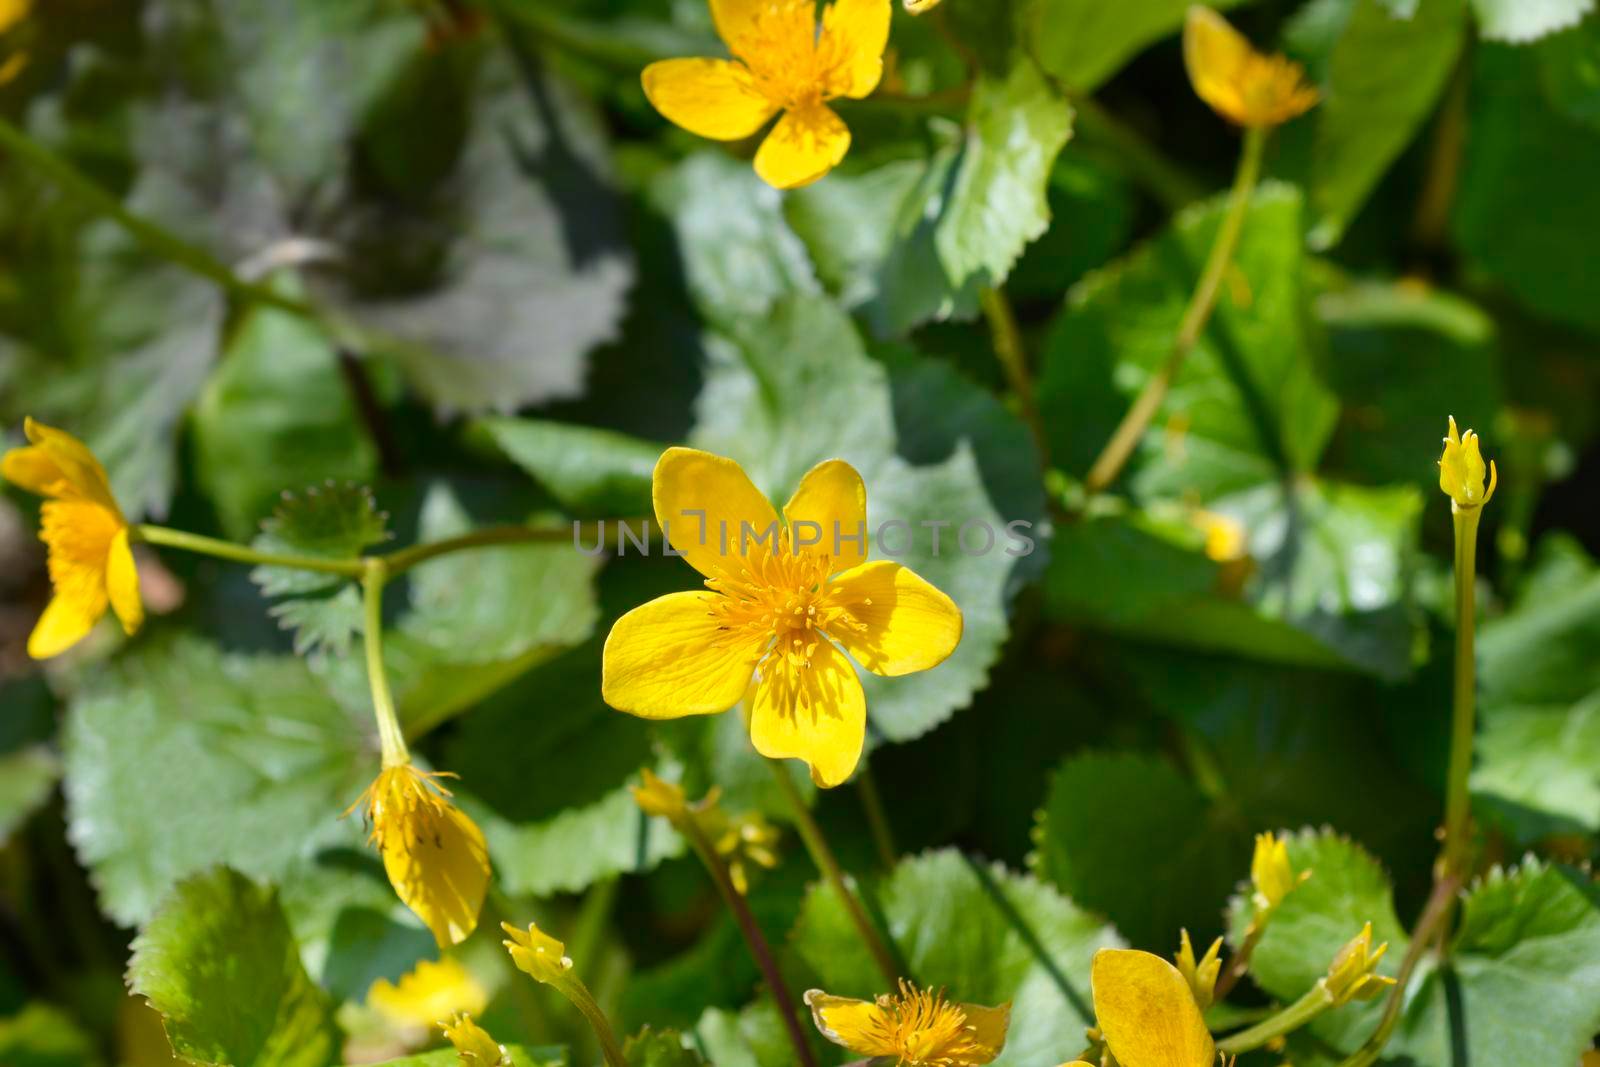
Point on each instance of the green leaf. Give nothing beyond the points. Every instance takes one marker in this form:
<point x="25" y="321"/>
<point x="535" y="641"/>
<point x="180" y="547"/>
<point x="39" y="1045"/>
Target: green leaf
<point x="1346" y="889"/>
<point x="1520" y="21"/>
<point x="1247" y="401"/>
<point x="659" y="1048"/>
<point x="44" y="1036"/>
<point x="256" y="737"/>
<point x="218" y="962"/>
<point x="984" y="934"/>
<point x="330" y="521"/>
<point x="753" y="1037"/>
<point x="28" y="775"/>
<point x="848" y="225"/>
<point x="1540" y="711"/>
<point x="1081" y="43"/>
<point x="1127" y="835"/>
<point x="1384" y="77"/>
<point x="590" y="471"/>
<point x="276" y="414"/>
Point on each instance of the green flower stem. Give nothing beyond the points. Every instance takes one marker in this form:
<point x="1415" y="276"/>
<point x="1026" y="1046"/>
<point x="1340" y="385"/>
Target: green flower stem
<point x="392" y="737"/>
<point x="877" y="817"/>
<point x="211" y="546"/>
<point x="753" y="937"/>
<point x="1131" y="430"/>
<point x="404" y="559"/>
<point x="154" y="237"/>
<point x="1238" y="963"/>
<point x="1013" y="359"/>
<point x="823" y="857"/>
<point x="1458" y="806"/>
<point x="571" y="986"/>
<point x="1296" y="1015"/>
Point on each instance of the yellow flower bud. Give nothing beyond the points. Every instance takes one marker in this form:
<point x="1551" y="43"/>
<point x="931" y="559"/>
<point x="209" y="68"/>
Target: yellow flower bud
<point x="537" y="954"/>
<point x="1271" y="873"/>
<point x="1461" y="471"/>
<point x="473" y="1043"/>
<point x="1353" y="973"/>
<point x="657" y="797"/>
<point x="744" y="840"/>
<point x="1239" y="83"/>
<point x="1201" y="976"/>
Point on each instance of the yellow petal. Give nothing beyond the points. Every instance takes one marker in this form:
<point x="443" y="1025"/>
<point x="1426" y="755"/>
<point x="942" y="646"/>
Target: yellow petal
<point x="833" y="497"/>
<point x="440" y="870"/>
<point x="430" y="991"/>
<point x="736" y="19"/>
<point x="803" y="147"/>
<point x="669" y="658"/>
<point x="815" y="712"/>
<point x="13" y="12"/>
<point x="58" y="465"/>
<point x="904" y="624"/>
<point x="1146" y="1011"/>
<point x="858" y="32"/>
<point x="122" y="584"/>
<point x="710" y="511"/>
<point x="858" y="1025"/>
<point x="989" y="1025"/>
<point x="65" y="622"/>
<point x="1216" y="54"/>
<point x="710" y="97"/>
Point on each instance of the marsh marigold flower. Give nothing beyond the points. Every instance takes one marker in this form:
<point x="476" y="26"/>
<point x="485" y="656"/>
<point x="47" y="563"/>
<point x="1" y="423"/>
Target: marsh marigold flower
<point x="91" y="563"/>
<point x="1271" y="874"/>
<point x="781" y="607"/>
<point x="433" y="852"/>
<point x="1202" y="975"/>
<point x="782" y="62"/>
<point x="428" y="992"/>
<point x="1239" y="83"/>
<point x="1461" y="471"/>
<point x="473" y="1044"/>
<point x="1147" y="1012"/>
<point x="1353" y="974"/>
<point x="914" y="1028"/>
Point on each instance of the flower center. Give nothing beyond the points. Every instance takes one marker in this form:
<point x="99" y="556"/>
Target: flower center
<point x="791" y="63"/>
<point x="928" y="1031"/>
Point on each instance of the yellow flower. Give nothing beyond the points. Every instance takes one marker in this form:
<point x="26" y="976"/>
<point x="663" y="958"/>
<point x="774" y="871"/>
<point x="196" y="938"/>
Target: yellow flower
<point x="536" y="953"/>
<point x="428" y="992"/>
<point x="915" y="1027"/>
<point x="1239" y="83"/>
<point x="917" y="7"/>
<point x="473" y="1043"/>
<point x="1147" y="1011"/>
<point x="1271" y="873"/>
<point x="91" y="563"/>
<point x="665" y="799"/>
<point x="1461" y="471"/>
<point x="433" y="852"/>
<point x="1226" y="539"/>
<point x="743" y="840"/>
<point x="774" y="609"/>
<point x="1353" y="973"/>
<point x="1202" y="976"/>
<point x="781" y="62"/>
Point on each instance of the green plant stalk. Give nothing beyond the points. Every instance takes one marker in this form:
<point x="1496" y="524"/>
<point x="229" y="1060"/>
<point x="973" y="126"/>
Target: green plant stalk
<point x="154" y="237"/>
<point x="1458" y="799"/>
<point x="571" y="986"/>
<point x="228" y="550"/>
<point x="1296" y="1015"/>
<point x="1013" y="360"/>
<point x="404" y="559"/>
<point x="877" y="817"/>
<point x="753" y="937"/>
<point x="390" y="734"/>
<point x="823" y="857"/>
<point x="1238" y="963"/>
<point x="1130" y="431"/>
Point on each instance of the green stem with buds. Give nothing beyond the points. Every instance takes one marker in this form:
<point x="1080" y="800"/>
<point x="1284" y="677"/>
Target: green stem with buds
<point x="1314" y="1003"/>
<point x="571" y="986"/>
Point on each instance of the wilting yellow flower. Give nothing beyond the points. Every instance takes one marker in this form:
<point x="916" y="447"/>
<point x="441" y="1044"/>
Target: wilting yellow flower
<point x="1353" y="973"/>
<point x="536" y="953"/>
<point x="1239" y="83"/>
<point x="91" y="563"/>
<point x="915" y="1027"/>
<point x="744" y="840"/>
<point x="473" y="1043"/>
<point x="778" y="600"/>
<point x="1202" y="976"/>
<point x="781" y="62"/>
<point x="1270" y="872"/>
<point x="1147" y="1011"/>
<point x="427" y="992"/>
<point x="433" y="852"/>
<point x="739" y="839"/>
<point x="1461" y="471"/>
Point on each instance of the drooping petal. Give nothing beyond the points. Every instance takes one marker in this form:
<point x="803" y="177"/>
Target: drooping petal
<point x="989" y="1026"/>
<point x="710" y="97"/>
<point x="833" y="497"/>
<point x="861" y="1026"/>
<point x="66" y="621"/>
<point x="439" y="869"/>
<point x="711" y="511"/>
<point x="58" y="464"/>
<point x="857" y="32"/>
<point x="670" y="657"/>
<point x="902" y="623"/>
<point x="1216" y="54"/>
<point x="122" y="584"/>
<point x="78" y="537"/>
<point x="815" y="712"/>
<point x="803" y="147"/>
<point x="1147" y="1011"/>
